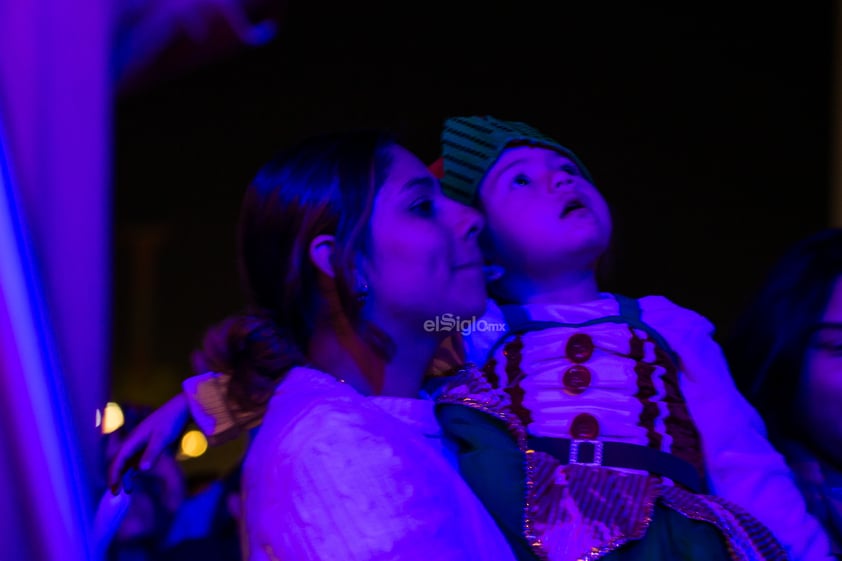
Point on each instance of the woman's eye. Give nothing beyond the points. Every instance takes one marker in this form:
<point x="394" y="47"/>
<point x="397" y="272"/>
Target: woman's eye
<point x="423" y="207"/>
<point x="830" y="344"/>
<point x="521" y="180"/>
<point x="830" y="347"/>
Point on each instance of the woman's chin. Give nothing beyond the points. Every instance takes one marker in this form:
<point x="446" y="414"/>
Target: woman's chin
<point x="473" y="308"/>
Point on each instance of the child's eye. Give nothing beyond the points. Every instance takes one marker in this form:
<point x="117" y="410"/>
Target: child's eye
<point x="570" y="168"/>
<point x="423" y="207"/>
<point x="521" y="180"/>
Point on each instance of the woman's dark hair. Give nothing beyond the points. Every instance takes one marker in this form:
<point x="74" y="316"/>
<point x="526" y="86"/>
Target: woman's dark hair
<point x="323" y="185"/>
<point x="767" y="347"/>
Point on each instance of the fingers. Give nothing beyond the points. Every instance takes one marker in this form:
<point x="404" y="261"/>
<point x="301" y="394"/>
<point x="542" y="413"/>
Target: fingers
<point x="145" y="444"/>
<point x="129" y="454"/>
<point x="123" y="462"/>
<point x="153" y="451"/>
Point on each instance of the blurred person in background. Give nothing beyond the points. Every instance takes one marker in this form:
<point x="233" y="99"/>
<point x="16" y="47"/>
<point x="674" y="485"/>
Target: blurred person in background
<point x="786" y="355"/>
<point x="156" y="494"/>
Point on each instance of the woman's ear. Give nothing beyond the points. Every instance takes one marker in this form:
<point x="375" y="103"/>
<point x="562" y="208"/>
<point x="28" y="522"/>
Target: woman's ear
<point x="321" y="253"/>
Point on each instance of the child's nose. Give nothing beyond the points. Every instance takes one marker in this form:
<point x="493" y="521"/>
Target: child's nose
<point x="561" y="181"/>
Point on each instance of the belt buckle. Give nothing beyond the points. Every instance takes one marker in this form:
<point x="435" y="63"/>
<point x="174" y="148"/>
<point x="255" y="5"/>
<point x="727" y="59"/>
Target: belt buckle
<point x="573" y="458"/>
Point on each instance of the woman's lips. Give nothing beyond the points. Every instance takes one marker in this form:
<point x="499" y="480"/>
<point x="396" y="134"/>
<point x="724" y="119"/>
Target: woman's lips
<point x="470" y="265"/>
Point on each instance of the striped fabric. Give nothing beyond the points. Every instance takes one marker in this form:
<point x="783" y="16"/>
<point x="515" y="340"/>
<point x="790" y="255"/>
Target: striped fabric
<point x="471" y="145"/>
<point x="634" y="392"/>
<point x="578" y="512"/>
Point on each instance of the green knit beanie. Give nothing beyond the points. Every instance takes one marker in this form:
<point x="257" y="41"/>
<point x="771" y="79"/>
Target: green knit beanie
<point x="471" y="145"/>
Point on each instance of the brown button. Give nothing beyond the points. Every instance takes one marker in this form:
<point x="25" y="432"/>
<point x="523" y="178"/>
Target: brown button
<point x="584" y="426"/>
<point x="579" y="347"/>
<point x="576" y="379"/>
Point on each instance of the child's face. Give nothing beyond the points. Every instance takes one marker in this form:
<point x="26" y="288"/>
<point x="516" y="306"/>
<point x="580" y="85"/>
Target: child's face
<point x="542" y="213"/>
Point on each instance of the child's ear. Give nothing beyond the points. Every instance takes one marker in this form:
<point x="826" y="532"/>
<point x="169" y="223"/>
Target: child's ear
<point x="321" y="253"/>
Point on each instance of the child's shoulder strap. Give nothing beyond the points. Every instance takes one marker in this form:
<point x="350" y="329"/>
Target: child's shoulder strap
<point x="518" y="322"/>
<point x="629" y="308"/>
<point x="631" y="311"/>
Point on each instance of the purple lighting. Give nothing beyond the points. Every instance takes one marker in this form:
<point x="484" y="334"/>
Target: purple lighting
<point x="55" y="116"/>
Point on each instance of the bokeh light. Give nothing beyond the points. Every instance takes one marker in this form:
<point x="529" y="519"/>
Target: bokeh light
<point x="193" y="444"/>
<point x="112" y="417"/>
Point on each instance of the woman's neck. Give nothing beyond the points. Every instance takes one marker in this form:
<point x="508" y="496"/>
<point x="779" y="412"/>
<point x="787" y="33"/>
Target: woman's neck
<point x="349" y="358"/>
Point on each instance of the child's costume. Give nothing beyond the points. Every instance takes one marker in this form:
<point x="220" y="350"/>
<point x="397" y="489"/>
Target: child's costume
<point x="637" y="386"/>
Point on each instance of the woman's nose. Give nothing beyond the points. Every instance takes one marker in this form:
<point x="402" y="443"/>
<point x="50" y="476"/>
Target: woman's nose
<point x="471" y="222"/>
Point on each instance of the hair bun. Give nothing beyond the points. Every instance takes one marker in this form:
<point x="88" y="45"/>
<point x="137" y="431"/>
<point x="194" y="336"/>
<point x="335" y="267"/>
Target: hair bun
<point x="254" y="350"/>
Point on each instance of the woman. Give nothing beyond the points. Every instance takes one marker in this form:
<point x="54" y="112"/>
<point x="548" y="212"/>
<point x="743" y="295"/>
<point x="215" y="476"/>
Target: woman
<point x="347" y="247"/>
<point x="786" y="354"/>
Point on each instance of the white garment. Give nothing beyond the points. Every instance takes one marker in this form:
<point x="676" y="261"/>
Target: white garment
<point x="333" y="475"/>
<point x="742" y="465"/>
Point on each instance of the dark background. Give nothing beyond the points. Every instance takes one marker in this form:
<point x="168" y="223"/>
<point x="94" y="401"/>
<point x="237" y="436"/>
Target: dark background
<point x="706" y="126"/>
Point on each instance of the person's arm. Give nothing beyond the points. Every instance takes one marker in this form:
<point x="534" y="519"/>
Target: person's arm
<point x="205" y="400"/>
<point x="343" y="485"/>
<point x="206" y="397"/>
<point x="145" y="444"/>
<point x="742" y="465"/>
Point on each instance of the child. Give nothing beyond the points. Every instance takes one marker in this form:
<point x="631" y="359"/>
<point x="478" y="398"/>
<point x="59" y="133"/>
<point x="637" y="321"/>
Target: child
<point x="623" y="409"/>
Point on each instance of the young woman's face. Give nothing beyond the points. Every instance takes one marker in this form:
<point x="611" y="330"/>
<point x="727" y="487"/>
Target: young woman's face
<point x="821" y="383"/>
<point x="425" y="259"/>
<point x="540" y="211"/>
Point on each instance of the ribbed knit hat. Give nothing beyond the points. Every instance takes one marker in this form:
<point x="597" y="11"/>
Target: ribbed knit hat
<point x="471" y="145"/>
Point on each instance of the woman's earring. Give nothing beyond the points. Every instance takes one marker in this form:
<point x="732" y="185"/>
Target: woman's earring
<point x="493" y="272"/>
<point x="362" y="289"/>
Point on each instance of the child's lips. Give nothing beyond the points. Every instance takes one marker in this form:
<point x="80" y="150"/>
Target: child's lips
<point x="573" y="206"/>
